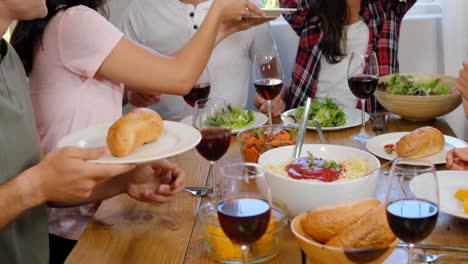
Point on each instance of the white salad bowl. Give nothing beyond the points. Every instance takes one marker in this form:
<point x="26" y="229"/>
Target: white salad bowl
<point x="300" y="195"/>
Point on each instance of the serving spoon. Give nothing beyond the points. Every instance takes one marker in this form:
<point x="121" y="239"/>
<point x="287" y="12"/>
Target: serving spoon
<point x="302" y="130"/>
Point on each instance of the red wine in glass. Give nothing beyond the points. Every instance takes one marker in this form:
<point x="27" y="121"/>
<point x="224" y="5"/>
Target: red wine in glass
<point x="412" y="220"/>
<point x="199" y="91"/>
<point x="363" y="86"/>
<point x="268" y="88"/>
<point x="214" y="143"/>
<point x="244" y="219"/>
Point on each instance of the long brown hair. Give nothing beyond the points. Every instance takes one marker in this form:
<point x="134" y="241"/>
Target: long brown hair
<point x="333" y="17"/>
<point x="27" y="35"/>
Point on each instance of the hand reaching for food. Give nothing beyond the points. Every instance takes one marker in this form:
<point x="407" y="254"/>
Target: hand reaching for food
<point x="143" y="100"/>
<point x="457" y="159"/>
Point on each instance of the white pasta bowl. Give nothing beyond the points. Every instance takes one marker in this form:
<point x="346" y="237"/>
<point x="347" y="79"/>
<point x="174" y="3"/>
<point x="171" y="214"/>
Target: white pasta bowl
<point x="302" y="195"/>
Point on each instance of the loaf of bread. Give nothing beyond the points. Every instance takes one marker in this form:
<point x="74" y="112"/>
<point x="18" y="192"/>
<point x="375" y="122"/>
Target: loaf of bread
<point x="138" y="127"/>
<point x="371" y="231"/>
<point x="421" y="142"/>
<point x="330" y="220"/>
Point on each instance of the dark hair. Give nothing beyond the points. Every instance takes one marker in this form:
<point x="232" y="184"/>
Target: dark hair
<point x="27" y="35"/>
<point x="333" y="15"/>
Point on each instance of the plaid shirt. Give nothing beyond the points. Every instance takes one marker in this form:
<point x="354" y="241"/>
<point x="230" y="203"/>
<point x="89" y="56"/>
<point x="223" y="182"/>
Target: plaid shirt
<point x="383" y="17"/>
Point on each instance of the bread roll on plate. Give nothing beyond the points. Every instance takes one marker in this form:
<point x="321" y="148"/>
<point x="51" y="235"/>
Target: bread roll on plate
<point x="371" y="231"/>
<point x="131" y="131"/>
<point x="421" y="142"/>
<point x="328" y="221"/>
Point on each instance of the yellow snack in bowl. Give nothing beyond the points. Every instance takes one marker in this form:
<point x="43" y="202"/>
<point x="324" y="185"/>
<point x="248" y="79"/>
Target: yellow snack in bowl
<point x="461" y="194"/>
<point x="224" y="249"/>
<point x="465" y="205"/>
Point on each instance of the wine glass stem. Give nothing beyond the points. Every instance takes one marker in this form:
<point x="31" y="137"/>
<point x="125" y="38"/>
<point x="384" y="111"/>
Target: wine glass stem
<point x="269" y="112"/>
<point x="410" y="253"/>
<point x="245" y="254"/>
<point x="363" y="111"/>
<point x="211" y="173"/>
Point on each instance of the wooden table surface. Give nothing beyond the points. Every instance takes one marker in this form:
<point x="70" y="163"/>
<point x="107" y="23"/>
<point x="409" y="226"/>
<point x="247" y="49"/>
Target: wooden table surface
<point x="126" y="231"/>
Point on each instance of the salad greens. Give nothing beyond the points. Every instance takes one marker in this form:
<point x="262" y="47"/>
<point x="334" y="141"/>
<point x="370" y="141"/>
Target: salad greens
<point x="239" y="118"/>
<point x="410" y="85"/>
<point x="328" y="114"/>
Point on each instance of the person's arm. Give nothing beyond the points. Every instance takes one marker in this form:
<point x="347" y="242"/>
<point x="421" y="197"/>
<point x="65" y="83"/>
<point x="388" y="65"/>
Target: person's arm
<point x="462" y="86"/>
<point x="147" y="71"/>
<point x="307" y="12"/>
<point x="63" y="175"/>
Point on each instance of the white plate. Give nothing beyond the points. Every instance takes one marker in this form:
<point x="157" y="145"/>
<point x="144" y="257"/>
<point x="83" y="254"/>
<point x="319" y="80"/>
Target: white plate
<point x="175" y="139"/>
<point x="260" y="119"/>
<point x="449" y="183"/>
<point x="353" y="118"/>
<point x="376" y="146"/>
<point x="273" y="12"/>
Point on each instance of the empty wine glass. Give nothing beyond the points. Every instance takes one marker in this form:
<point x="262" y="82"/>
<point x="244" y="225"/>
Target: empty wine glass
<point x="245" y="205"/>
<point x="363" y="76"/>
<point x="200" y="89"/>
<point x="211" y="118"/>
<point x="268" y="76"/>
<point x="412" y="217"/>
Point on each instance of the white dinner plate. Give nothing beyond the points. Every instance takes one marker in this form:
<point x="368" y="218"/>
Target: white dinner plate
<point x="353" y="118"/>
<point x="273" y="12"/>
<point x="376" y="146"/>
<point x="449" y="183"/>
<point x="175" y="139"/>
<point x="260" y="119"/>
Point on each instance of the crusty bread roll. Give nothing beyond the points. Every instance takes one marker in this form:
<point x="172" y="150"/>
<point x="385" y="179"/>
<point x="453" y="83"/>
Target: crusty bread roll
<point x="371" y="231"/>
<point x="328" y="221"/>
<point x="421" y="142"/>
<point x="138" y="127"/>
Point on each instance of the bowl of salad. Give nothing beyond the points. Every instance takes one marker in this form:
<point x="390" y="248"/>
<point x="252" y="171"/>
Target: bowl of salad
<point x="257" y="140"/>
<point x="418" y="96"/>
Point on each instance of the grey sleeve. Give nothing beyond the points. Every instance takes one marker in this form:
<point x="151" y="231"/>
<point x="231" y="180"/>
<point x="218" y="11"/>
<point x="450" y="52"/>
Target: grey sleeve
<point x="130" y="23"/>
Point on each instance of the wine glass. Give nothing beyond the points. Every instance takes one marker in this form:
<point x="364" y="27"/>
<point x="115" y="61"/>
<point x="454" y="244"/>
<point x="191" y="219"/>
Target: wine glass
<point x="268" y="76"/>
<point x="245" y="204"/>
<point x="200" y="89"/>
<point x="211" y="118"/>
<point x="412" y="218"/>
<point x="363" y="76"/>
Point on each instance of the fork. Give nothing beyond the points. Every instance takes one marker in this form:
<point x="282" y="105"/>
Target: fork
<point x="434" y="257"/>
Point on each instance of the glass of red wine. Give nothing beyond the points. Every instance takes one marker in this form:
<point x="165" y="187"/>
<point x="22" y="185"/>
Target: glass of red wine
<point x="244" y="207"/>
<point x="200" y="90"/>
<point x="268" y="77"/>
<point x="211" y="118"/>
<point x="363" y="76"/>
<point x="412" y="218"/>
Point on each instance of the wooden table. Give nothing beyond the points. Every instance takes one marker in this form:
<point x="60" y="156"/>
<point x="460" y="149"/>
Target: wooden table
<point x="127" y="231"/>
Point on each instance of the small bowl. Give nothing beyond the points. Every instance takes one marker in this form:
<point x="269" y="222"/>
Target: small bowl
<point x="223" y="250"/>
<point x="419" y="108"/>
<point x="320" y="253"/>
<point x="301" y="195"/>
<point x="251" y="151"/>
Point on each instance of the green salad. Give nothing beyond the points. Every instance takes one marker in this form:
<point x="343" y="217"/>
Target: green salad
<point x="328" y="114"/>
<point x="410" y="85"/>
<point x="239" y="118"/>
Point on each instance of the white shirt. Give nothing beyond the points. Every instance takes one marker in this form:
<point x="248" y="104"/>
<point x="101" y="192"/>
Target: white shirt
<point x="167" y="25"/>
<point x="333" y="81"/>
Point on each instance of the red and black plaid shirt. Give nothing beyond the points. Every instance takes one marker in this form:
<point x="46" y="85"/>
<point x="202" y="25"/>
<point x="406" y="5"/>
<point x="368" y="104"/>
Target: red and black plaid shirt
<point x="383" y="17"/>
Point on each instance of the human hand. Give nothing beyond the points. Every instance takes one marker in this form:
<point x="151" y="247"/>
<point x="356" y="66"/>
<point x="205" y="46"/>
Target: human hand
<point x="277" y="105"/>
<point x="244" y="24"/>
<point x="235" y="10"/>
<point x="143" y="100"/>
<point x="155" y="183"/>
<point x="457" y="159"/>
<point x="66" y="175"/>
<point x="462" y="81"/>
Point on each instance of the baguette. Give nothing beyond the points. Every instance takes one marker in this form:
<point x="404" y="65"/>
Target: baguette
<point x="372" y="231"/>
<point x="328" y="221"/>
<point x="421" y="142"/>
<point x="138" y="127"/>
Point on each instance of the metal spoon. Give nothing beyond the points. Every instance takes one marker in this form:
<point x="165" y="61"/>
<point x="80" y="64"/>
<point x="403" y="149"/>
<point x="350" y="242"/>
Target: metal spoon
<point x="198" y="191"/>
<point x="319" y="131"/>
<point x="302" y="130"/>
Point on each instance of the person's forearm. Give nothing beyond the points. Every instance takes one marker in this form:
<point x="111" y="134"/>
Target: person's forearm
<point x="103" y="191"/>
<point x="465" y="106"/>
<point x="17" y="196"/>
